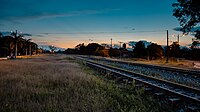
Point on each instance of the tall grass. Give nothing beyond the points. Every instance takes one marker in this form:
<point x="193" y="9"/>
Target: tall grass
<point x="53" y="84"/>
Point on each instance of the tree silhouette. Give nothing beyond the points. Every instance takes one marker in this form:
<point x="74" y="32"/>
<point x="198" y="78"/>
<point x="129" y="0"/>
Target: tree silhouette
<point x="27" y="43"/>
<point x="52" y="48"/>
<point x="174" y="49"/>
<point x="154" y="51"/>
<point x="139" y="50"/>
<point x="8" y="42"/>
<point x="188" y="14"/>
<point x="16" y="38"/>
<point x="81" y="48"/>
<point x="93" y="48"/>
<point x="1" y="35"/>
<point x="114" y="52"/>
<point x="197" y="35"/>
<point x="10" y="45"/>
<point x="124" y="46"/>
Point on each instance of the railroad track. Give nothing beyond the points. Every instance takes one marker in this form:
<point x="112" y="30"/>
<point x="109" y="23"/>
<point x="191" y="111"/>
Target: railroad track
<point x="194" y="73"/>
<point x="178" y="76"/>
<point x="174" y="90"/>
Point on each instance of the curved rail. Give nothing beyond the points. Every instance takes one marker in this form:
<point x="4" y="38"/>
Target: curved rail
<point x="186" y="93"/>
<point x="194" y="73"/>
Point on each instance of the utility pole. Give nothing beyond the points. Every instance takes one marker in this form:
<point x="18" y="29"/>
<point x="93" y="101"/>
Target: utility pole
<point x="178" y="38"/>
<point x="167" y="53"/>
<point x="111" y="42"/>
<point x="120" y="49"/>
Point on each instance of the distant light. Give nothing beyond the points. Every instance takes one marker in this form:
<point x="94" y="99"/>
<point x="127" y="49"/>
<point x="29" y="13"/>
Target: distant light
<point x="173" y="35"/>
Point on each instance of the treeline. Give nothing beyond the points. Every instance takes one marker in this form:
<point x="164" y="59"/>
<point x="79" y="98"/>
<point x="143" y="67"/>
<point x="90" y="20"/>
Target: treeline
<point x="150" y="52"/>
<point x="90" y="49"/>
<point x="14" y="44"/>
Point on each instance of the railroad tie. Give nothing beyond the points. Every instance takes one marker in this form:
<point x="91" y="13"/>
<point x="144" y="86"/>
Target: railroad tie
<point x="174" y="101"/>
<point x="148" y="90"/>
<point x="159" y="95"/>
<point x="193" y="108"/>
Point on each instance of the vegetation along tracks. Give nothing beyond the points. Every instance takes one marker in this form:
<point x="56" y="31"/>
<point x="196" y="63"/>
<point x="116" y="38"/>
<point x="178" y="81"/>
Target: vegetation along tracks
<point x="175" y="91"/>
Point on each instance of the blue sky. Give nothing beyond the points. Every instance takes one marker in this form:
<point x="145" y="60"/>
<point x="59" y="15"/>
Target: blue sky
<point x="66" y="23"/>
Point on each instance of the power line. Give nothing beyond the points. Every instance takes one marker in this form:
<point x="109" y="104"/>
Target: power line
<point x="150" y="31"/>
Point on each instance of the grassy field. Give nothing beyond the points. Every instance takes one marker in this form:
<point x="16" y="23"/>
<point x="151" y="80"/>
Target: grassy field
<point x="57" y="83"/>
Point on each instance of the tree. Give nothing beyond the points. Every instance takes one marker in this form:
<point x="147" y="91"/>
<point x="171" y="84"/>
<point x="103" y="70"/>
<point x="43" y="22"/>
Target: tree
<point x="27" y="43"/>
<point x="154" y="51"/>
<point x="8" y="42"/>
<point x="124" y="46"/>
<point x="16" y="38"/>
<point x="34" y="47"/>
<point x="52" y="48"/>
<point x="184" y="52"/>
<point x="1" y="35"/>
<point x="139" y="50"/>
<point x="174" y="49"/>
<point x="14" y="44"/>
<point x="81" y="48"/>
<point x="188" y="14"/>
<point x="197" y="35"/>
<point x="93" y="48"/>
<point x="114" y="52"/>
<point x="4" y="50"/>
<point x="103" y="52"/>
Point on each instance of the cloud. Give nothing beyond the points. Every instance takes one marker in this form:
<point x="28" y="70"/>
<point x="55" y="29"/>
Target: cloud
<point x="192" y="32"/>
<point x="24" y="34"/>
<point x="6" y="33"/>
<point x="46" y="47"/>
<point x="32" y="35"/>
<point x="42" y="15"/>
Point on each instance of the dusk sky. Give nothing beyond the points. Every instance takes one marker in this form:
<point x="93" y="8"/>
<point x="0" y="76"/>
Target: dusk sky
<point x="66" y="23"/>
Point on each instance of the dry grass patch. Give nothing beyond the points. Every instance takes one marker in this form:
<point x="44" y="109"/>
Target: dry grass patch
<point x="50" y="85"/>
<point x="46" y="86"/>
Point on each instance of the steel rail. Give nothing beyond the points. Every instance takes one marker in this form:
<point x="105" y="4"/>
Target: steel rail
<point x="186" y="93"/>
<point x="194" y="73"/>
